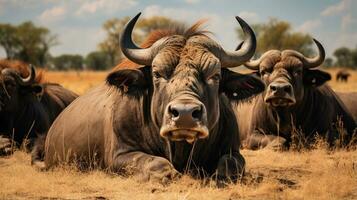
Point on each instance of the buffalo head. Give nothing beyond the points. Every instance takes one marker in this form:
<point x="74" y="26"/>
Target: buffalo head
<point x="185" y="77"/>
<point x="14" y="89"/>
<point x="288" y="74"/>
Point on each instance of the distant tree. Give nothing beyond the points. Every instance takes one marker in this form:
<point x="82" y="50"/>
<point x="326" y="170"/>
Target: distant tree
<point x="113" y="28"/>
<point x="98" y="60"/>
<point x="276" y="34"/>
<point x="110" y="45"/>
<point x="8" y="40"/>
<point x="27" y="42"/>
<point x="66" y="62"/>
<point x="344" y="57"/>
<point x="354" y="58"/>
<point x="328" y="62"/>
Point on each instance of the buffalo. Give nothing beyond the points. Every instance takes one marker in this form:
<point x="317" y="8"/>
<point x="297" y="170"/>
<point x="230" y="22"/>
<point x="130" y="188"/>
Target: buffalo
<point x="296" y="102"/>
<point x="28" y="105"/>
<point x="342" y="75"/>
<point x="350" y="101"/>
<point x="166" y="112"/>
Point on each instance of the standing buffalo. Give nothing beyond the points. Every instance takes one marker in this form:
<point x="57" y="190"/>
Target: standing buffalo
<point x="295" y="100"/>
<point x="342" y="75"/>
<point x="158" y="118"/>
<point x="28" y="106"/>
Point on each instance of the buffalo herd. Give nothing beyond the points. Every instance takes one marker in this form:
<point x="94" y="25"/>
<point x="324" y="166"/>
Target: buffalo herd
<point x="173" y="106"/>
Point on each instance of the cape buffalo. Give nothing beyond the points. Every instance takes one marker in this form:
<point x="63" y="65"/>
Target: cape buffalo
<point x="342" y="75"/>
<point x="296" y="100"/>
<point x="28" y="105"/>
<point x="350" y="101"/>
<point x="169" y="115"/>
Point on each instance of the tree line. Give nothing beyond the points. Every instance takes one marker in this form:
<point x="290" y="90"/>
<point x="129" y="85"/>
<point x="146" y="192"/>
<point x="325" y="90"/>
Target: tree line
<point x="32" y="44"/>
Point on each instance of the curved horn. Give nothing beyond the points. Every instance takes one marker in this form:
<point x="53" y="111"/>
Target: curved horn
<point x="132" y="51"/>
<point x="252" y="65"/>
<point x="22" y="81"/>
<point x="309" y="62"/>
<point x="247" y="50"/>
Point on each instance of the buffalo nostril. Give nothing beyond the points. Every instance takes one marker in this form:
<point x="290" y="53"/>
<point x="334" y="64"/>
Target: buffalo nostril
<point x="272" y="87"/>
<point x="197" y="114"/>
<point x="287" y="89"/>
<point x="174" y="112"/>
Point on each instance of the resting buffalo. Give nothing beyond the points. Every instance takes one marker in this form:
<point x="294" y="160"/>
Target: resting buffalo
<point x="148" y="119"/>
<point x="350" y="101"/>
<point x="296" y="100"/>
<point x="342" y="75"/>
<point x="28" y="106"/>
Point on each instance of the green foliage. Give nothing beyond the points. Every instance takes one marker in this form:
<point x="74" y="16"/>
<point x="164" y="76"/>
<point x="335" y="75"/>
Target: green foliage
<point x="328" y="63"/>
<point x="276" y="34"/>
<point x="27" y="42"/>
<point x="66" y="62"/>
<point x="98" y="60"/>
<point x="343" y="56"/>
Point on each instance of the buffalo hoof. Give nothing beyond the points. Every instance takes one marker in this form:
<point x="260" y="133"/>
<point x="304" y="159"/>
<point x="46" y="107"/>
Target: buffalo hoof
<point x="160" y="170"/>
<point x="39" y="165"/>
<point x="229" y="170"/>
<point x="5" y="146"/>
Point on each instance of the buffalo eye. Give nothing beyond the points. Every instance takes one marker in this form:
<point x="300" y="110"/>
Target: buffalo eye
<point x="297" y="73"/>
<point x="10" y="85"/>
<point x="215" y="77"/>
<point x="156" y="74"/>
<point x="265" y="72"/>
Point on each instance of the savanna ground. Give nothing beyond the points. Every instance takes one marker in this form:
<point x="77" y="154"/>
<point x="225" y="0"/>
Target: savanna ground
<point x="308" y="174"/>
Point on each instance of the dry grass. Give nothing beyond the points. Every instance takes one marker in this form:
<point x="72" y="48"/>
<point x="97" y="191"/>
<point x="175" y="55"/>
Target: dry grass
<point x="315" y="174"/>
<point x="79" y="82"/>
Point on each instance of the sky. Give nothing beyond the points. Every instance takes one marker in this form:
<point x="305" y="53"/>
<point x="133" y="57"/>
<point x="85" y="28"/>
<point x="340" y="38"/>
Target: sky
<point x="78" y="23"/>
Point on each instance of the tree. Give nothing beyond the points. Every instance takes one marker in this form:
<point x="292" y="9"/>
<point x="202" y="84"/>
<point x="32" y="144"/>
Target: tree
<point x="344" y="57"/>
<point x="27" y="42"/>
<point x="328" y="62"/>
<point x="113" y="28"/>
<point x="354" y="58"/>
<point x="110" y="45"/>
<point x="66" y="62"/>
<point x="98" y="60"/>
<point x="8" y="40"/>
<point x="276" y="34"/>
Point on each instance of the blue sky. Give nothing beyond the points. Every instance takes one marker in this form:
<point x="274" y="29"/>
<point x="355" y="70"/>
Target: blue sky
<point x="78" y="23"/>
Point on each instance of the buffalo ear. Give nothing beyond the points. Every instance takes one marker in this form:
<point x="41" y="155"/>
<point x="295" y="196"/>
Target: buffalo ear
<point x="315" y="78"/>
<point x="238" y="86"/>
<point x="36" y="89"/>
<point x="129" y="79"/>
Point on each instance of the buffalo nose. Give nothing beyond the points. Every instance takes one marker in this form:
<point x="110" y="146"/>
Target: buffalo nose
<point x="186" y="112"/>
<point x="281" y="88"/>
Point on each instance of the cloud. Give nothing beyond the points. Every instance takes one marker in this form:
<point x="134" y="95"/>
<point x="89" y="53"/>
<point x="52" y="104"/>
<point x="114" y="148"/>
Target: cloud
<point x="53" y="14"/>
<point x="192" y="1"/>
<point x="337" y="8"/>
<point x="222" y="26"/>
<point x="77" y="40"/>
<point x="309" y="25"/>
<point x="104" y="6"/>
<point x="250" y="17"/>
<point x="346" y="22"/>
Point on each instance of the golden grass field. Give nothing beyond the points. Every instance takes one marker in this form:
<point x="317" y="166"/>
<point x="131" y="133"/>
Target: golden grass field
<point x="314" y="174"/>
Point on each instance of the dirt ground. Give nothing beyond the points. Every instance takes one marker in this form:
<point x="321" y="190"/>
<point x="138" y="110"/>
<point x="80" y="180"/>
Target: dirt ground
<point x="314" y="174"/>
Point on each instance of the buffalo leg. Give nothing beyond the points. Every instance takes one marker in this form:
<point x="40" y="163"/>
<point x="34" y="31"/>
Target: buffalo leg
<point x="5" y="146"/>
<point x="258" y="141"/>
<point x="38" y="152"/>
<point x="230" y="168"/>
<point x="149" y="167"/>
